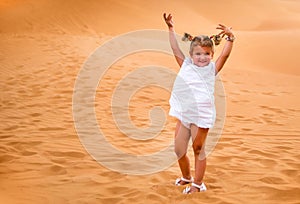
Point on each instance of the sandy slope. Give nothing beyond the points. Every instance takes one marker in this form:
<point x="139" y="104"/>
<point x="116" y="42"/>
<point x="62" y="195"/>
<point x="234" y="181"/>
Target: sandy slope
<point x="43" y="47"/>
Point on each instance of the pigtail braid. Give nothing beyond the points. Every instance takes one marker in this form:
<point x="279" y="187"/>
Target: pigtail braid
<point x="216" y="38"/>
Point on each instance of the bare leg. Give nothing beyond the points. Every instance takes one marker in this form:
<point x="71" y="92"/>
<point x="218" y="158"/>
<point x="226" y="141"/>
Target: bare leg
<point x="199" y="135"/>
<point x="182" y="136"/>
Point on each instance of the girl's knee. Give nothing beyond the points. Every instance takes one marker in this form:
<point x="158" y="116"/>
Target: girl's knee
<point x="197" y="148"/>
<point x="180" y="152"/>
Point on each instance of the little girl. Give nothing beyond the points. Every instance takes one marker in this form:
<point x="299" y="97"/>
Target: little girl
<point x="192" y="100"/>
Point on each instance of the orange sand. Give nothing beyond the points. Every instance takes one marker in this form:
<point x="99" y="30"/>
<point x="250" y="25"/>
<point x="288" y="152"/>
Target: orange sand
<point x="43" y="47"/>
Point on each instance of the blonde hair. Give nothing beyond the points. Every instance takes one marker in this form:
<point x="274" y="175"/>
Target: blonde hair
<point x="203" y="41"/>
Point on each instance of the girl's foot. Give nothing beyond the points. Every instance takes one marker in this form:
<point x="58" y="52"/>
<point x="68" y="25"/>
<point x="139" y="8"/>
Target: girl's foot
<point x="194" y="188"/>
<point x="183" y="181"/>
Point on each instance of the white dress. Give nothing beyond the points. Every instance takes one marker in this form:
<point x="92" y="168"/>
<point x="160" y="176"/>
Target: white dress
<point x="192" y="98"/>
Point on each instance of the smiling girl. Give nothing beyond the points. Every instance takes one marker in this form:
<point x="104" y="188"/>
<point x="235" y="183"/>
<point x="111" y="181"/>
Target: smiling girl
<point x="192" y="100"/>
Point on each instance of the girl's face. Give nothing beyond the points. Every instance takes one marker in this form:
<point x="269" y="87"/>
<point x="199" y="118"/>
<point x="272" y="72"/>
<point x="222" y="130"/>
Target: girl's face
<point x="201" y="56"/>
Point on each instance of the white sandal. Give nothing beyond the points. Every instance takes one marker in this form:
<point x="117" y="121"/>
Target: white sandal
<point x="201" y="187"/>
<point x="177" y="182"/>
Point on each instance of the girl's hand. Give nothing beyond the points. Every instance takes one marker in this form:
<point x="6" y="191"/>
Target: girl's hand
<point x="225" y="31"/>
<point x="168" y="20"/>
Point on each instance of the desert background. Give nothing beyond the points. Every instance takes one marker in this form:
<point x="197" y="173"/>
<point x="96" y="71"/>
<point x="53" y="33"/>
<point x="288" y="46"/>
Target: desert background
<point x="44" y="45"/>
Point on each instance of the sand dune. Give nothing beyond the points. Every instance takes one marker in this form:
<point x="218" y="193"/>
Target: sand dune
<point x="45" y="44"/>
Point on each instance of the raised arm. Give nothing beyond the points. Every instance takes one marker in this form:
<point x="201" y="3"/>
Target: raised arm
<point x="227" y="47"/>
<point x="179" y="56"/>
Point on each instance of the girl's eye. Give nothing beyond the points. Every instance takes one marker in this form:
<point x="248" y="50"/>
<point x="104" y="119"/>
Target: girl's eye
<point x="207" y="53"/>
